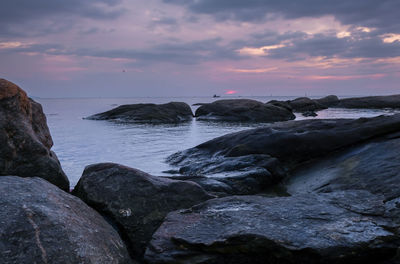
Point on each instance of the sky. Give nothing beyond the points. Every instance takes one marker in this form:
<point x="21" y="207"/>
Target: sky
<point x="125" y="48"/>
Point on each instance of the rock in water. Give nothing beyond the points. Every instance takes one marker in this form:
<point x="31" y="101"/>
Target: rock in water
<point x="340" y="227"/>
<point x="25" y="140"/>
<point x="304" y="104"/>
<point x="39" y="223"/>
<point x="250" y="161"/>
<point x="243" y="110"/>
<point x="136" y="201"/>
<point x="328" y="101"/>
<point x="377" y="102"/>
<point x="172" y="112"/>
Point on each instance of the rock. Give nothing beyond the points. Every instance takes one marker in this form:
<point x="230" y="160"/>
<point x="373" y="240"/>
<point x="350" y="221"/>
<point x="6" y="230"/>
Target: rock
<point x="242" y="110"/>
<point x="39" y="223"/>
<point x="172" y="112"/>
<point x="374" y="167"/>
<point x="340" y="227"/>
<point x="304" y="104"/>
<point x="389" y="101"/>
<point x="284" y="104"/>
<point x="135" y="201"/>
<point x="25" y="140"/>
<point x="250" y="161"/>
<point x="328" y="101"/>
<point x="309" y="113"/>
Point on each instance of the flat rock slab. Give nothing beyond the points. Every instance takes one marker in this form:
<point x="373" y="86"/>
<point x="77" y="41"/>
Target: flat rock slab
<point x="244" y="110"/>
<point x="173" y="112"/>
<point x="249" y="161"/>
<point x="373" y="102"/>
<point x="25" y="140"/>
<point x="135" y="201"/>
<point x="39" y="223"/>
<point x="339" y="227"/>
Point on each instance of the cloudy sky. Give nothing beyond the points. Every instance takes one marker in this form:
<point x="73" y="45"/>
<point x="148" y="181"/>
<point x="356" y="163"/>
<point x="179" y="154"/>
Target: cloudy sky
<point x="58" y="48"/>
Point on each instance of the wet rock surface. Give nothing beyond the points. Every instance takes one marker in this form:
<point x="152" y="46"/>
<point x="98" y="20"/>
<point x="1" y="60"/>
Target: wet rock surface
<point x="244" y="110"/>
<point x="250" y="161"/>
<point x="338" y="227"/>
<point x="374" y="167"/>
<point x="39" y="223"/>
<point x="25" y="140"/>
<point x="328" y="101"/>
<point x="135" y="201"/>
<point x="173" y="112"/>
<point x="372" y="102"/>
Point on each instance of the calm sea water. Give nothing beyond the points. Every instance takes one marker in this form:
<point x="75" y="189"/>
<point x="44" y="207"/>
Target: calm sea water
<point x="79" y="142"/>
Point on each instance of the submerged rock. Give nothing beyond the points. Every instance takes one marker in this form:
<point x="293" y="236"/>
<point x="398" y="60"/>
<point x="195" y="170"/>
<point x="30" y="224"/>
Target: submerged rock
<point x="309" y="113"/>
<point x="39" y="223"/>
<point x="250" y="161"/>
<point x="377" y="102"/>
<point x="245" y="110"/>
<point x="172" y="112"/>
<point x="339" y="227"/>
<point x="25" y="140"/>
<point x="135" y="201"/>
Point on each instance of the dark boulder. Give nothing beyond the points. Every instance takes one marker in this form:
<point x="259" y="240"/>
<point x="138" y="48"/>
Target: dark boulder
<point x="172" y="112"/>
<point x="328" y="101"/>
<point x="244" y="110"/>
<point x="25" y="140"/>
<point x="135" y="201"/>
<point x="39" y="223"/>
<point x="340" y="227"/>
<point x="250" y="161"/>
<point x="303" y="104"/>
<point x="373" y="102"/>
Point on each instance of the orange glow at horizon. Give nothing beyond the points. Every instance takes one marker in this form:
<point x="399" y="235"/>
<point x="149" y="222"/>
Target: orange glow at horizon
<point x="231" y="92"/>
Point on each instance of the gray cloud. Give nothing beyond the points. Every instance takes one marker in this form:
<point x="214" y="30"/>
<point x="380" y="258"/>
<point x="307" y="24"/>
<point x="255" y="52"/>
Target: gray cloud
<point x="174" y="52"/>
<point x="382" y="14"/>
<point x="363" y="45"/>
<point x="40" y="17"/>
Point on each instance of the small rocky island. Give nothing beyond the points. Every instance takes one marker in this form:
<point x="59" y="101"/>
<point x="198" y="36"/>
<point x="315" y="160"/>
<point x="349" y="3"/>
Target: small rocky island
<point x="311" y="191"/>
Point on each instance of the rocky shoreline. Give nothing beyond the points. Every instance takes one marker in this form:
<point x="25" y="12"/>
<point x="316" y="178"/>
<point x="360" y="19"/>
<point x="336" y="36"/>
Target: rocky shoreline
<point x="311" y="191"/>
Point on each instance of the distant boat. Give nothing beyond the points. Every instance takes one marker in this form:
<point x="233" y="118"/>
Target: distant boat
<point x="216" y="96"/>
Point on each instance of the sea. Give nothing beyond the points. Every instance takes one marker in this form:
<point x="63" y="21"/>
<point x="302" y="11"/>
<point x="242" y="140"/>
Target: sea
<point x="79" y="142"/>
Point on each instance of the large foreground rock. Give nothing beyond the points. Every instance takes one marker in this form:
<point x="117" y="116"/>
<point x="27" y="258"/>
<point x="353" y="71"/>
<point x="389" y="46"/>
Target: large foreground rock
<point x="39" y="223"/>
<point x="377" y="102"/>
<point x="25" y="140"/>
<point x="340" y="227"/>
<point x="374" y="167"/>
<point x="243" y="110"/>
<point x="135" y="201"/>
<point x="250" y="161"/>
<point x="172" y="112"/>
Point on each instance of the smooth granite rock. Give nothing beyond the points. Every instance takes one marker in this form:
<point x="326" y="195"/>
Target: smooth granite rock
<point x="173" y="112"/>
<point x="135" y="201"/>
<point x="25" y="141"/>
<point x="339" y="227"/>
<point x="328" y="101"/>
<point x="373" y="102"/>
<point x="374" y="167"/>
<point x="244" y="110"/>
<point x="39" y="223"/>
<point x="250" y="161"/>
<point x="304" y="104"/>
